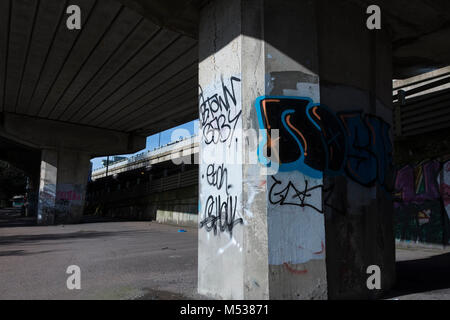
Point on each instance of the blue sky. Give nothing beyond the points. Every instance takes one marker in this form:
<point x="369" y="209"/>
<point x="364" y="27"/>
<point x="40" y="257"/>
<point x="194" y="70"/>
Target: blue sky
<point x="153" y="141"/>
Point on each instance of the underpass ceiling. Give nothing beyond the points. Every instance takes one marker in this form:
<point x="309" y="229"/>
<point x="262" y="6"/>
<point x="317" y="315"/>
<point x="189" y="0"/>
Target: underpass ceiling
<point x="120" y="71"/>
<point x="133" y="65"/>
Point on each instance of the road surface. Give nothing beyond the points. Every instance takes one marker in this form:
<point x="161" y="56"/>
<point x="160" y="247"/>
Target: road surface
<point x="118" y="260"/>
<point x="146" y="260"/>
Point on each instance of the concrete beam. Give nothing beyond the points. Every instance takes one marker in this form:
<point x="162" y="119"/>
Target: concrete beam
<point x="49" y="134"/>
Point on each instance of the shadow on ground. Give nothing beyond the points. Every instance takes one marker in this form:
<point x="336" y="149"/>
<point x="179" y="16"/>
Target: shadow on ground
<point x="151" y="294"/>
<point x="21" y="239"/>
<point x="12" y="217"/>
<point x="423" y="275"/>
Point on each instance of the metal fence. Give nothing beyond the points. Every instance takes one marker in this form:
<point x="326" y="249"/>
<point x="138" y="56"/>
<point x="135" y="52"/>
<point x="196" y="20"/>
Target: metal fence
<point x="422" y="107"/>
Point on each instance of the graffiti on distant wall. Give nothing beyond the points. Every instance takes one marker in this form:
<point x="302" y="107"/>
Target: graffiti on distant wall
<point x="57" y="200"/>
<point x="444" y="183"/>
<point x="422" y="202"/>
<point x="68" y="196"/>
<point x="221" y="188"/>
<point x="316" y="141"/>
<point x="47" y="196"/>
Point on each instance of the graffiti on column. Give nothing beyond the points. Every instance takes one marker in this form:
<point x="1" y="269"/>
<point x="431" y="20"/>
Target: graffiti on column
<point x="369" y="156"/>
<point x="305" y="143"/>
<point x="220" y="209"/>
<point x="219" y="114"/>
<point x="47" y="195"/>
<point x="68" y="196"/>
<point x="291" y="195"/>
<point x="315" y="141"/>
<point x="422" y="202"/>
<point x="295" y="213"/>
<point x="221" y="191"/>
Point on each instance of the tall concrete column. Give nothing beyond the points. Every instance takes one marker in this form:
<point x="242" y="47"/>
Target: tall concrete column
<point x="64" y="176"/>
<point x="302" y="211"/>
<point x="73" y="174"/>
<point x="47" y="187"/>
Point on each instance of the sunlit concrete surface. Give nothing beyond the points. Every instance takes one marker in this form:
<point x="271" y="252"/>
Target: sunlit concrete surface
<point x="118" y="260"/>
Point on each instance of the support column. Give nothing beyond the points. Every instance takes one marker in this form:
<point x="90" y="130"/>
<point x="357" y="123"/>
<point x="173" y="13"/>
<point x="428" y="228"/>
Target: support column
<point x="301" y="211"/>
<point x="47" y="187"/>
<point x="64" y="176"/>
<point x="73" y="174"/>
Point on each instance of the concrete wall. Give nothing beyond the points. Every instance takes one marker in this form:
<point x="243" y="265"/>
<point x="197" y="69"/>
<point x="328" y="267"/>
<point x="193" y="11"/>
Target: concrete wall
<point x="170" y="198"/>
<point x="177" y="208"/>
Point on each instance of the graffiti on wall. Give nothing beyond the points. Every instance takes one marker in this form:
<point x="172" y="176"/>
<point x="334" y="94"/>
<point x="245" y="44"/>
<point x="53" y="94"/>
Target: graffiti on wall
<point x="316" y="141"/>
<point x="444" y="183"/>
<point x="422" y="202"/>
<point x="221" y="187"/>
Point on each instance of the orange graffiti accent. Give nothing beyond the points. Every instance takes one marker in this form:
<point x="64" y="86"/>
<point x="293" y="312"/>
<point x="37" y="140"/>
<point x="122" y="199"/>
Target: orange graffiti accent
<point x="352" y="171"/>
<point x="264" y="102"/>
<point x="345" y="124"/>
<point x="288" y="120"/>
<point x="270" y="142"/>
<point x="322" y="251"/>
<point x="314" y="110"/>
<point x="294" y="271"/>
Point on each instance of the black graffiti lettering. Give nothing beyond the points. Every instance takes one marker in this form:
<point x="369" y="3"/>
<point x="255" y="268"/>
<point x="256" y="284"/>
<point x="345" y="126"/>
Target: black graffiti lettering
<point x="218" y="177"/>
<point x="219" y="114"/>
<point x="315" y="140"/>
<point x="298" y="197"/>
<point x="220" y="215"/>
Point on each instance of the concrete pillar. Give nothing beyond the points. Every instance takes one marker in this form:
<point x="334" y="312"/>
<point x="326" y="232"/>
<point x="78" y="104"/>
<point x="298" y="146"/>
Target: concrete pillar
<point x="303" y="211"/>
<point x="32" y="190"/>
<point x="47" y="187"/>
<point x="73" y="174"/>
<point x="64" y="176"/>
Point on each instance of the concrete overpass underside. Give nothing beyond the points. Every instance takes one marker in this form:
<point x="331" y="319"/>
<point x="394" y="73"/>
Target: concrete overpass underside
<point x="135" y="68"/>
<point x="119" y="72"/>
